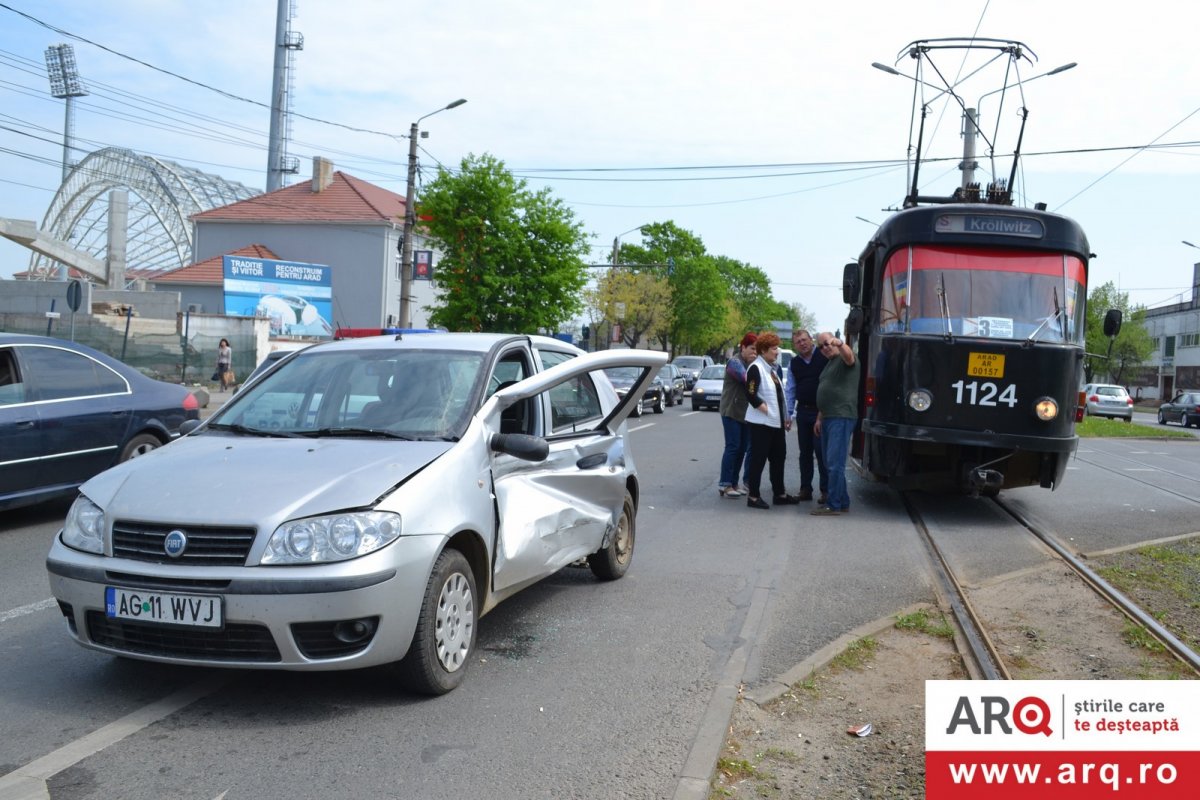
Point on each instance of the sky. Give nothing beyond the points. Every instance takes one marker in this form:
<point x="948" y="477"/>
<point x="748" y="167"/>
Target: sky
<point x="761" y="127"/>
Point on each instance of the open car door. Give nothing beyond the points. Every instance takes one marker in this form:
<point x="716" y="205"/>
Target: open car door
<point x="555" y="509"/>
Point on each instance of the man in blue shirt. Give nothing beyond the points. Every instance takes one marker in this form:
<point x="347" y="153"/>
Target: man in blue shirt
<point x="801" y="398"/>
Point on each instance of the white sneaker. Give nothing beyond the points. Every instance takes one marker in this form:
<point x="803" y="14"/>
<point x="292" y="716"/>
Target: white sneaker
<point x="732" y="491"/>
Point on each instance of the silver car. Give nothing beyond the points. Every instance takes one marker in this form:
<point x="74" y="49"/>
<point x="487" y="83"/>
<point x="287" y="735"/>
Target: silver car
<point x="1107" y="400"/>
<point x="364" y="503"/>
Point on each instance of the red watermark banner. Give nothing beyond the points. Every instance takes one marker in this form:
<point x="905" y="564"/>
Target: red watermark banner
<point x="1061" y="775"/>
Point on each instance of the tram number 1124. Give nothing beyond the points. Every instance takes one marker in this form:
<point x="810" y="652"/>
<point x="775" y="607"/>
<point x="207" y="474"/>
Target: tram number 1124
<point x="986" y="393"/>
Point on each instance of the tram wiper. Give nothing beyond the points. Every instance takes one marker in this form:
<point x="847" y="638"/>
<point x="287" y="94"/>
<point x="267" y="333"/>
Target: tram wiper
<point x="1058" y="314"/>
<point x="944" y="307"/>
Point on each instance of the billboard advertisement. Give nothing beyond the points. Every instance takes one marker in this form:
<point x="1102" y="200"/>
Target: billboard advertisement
<point x="296" y="297"/>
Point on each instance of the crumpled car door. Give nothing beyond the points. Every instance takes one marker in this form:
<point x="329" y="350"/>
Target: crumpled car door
<point x="559" y="509"/>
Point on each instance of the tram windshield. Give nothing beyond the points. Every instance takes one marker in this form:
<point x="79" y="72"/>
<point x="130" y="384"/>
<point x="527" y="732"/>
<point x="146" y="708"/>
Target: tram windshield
<point x="989" y="293"/>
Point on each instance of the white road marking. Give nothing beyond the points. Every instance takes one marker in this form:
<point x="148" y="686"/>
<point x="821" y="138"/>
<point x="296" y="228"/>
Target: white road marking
<point x="643" y="426"/>
<point x="29" y="782"/>
<point x="32" y="608"/>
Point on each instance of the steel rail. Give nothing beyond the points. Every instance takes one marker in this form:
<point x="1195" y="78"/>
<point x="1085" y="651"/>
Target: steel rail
<point x="1106" y="590"/>
<point x="981" y="649"/>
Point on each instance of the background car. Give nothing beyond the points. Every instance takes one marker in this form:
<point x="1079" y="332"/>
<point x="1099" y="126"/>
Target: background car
<point x="68" y="412"/>
<point x="653" y="398"/>
<point x="1107" y="400"/>
<point x="281" y="350"/>
<point x="691" y="366"/>
<point x="674" y="382"/>
<point x="1183" y="408"/>
<point x="706" y="393"/>
<point x="373" y="499"/>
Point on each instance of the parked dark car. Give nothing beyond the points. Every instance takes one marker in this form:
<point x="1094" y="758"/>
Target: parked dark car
<point x="1183" y="408"/>
<point x="691" y="367"/>
<point x="654" y="397"/>
<point x="675" y="383"/>
<point x="68" y="412"/>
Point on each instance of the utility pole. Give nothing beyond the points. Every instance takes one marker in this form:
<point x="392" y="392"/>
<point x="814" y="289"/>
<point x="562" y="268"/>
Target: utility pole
<point x="410" y="218"/>
<point x="287" y="43"/>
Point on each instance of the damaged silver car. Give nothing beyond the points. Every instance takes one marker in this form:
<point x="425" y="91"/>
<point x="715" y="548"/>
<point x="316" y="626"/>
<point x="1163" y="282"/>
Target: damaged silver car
<point x="363" y="504"/>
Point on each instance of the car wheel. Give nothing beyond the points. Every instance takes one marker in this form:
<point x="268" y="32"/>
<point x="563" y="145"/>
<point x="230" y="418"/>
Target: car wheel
<point x="637" y="409"/>
<point x="612" y="562"/>
<point x="1185" y="421"/>
<point x="445" y="637"/>
<point x="658" y="404"/>
<point x="695" y="406"/>
<point x="1162" y="418"/>
<point x="140" y="445"/>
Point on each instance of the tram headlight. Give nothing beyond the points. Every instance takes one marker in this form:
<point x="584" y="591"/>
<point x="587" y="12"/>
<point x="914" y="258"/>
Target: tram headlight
<point x="920" y="399"/>
<point x="1046" y="409"/>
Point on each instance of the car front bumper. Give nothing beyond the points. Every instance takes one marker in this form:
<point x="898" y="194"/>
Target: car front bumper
<point x="294" y="618"/>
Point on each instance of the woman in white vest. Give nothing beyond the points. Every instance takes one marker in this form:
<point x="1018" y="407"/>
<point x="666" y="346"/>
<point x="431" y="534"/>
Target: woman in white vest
<point x="768" y="421"/>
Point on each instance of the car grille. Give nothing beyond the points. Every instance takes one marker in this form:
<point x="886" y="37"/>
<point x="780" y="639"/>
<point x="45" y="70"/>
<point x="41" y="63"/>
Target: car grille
<point x="207" y="546"/>
<point x="235" y="642"/>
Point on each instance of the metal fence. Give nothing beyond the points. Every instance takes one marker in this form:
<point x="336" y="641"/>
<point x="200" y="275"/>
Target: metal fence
<point x="160" y="354"/>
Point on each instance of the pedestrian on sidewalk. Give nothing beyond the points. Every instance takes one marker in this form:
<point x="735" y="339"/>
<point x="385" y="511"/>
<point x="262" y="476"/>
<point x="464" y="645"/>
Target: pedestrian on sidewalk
<point x="733" y="418"/>
<point x="837" y="414"/>
<point x="224" y="364"/>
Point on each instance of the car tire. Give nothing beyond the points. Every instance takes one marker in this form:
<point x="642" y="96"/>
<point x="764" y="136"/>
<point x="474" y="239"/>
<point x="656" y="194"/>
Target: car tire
<point x="442" y="645"/>
<point x="658" y="404"/>
<point x="140" y="445"/>
<point x="1162" y="418"/>
<point x="637" y="409"/>
<point x="1185" y="421"/>
<point x="695" y="406"/>
<point x="612" y="562"/>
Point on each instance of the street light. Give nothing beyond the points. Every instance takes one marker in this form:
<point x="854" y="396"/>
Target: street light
<point x="410" y="216"/>
<point x="1189" y="244"/>
<point x="617" y="241"/>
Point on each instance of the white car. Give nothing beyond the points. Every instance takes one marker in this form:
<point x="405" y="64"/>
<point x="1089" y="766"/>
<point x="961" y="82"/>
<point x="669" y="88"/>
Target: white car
<point x="365" y="502"/>
<point x="707" y="391"/>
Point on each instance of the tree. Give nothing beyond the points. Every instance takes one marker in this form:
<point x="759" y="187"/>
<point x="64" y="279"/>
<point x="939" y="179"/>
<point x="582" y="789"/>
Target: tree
<point x="513" y="259"/>
<point x="637" y="300"/>
<point x="1131" y="346"/>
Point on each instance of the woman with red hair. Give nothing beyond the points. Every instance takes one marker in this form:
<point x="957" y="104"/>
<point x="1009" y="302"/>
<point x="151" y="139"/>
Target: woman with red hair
<point x="768" y="420"/>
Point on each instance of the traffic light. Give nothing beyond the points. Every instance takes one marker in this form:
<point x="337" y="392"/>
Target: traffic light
<point x="587" y="333"/>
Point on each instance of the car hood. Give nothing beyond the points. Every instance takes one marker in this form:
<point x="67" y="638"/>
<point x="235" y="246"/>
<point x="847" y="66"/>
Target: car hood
<point x="254" y="480"/>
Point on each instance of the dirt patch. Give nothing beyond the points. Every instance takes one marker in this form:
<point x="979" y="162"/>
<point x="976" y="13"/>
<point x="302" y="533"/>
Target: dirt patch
<point x="1046" y="624"/>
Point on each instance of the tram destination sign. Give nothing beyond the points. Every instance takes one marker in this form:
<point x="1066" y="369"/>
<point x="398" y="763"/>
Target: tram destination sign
<point x="990" y="224"/>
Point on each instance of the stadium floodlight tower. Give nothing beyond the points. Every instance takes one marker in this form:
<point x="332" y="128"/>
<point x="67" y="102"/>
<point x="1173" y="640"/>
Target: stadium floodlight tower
<point x="65" y="83"/>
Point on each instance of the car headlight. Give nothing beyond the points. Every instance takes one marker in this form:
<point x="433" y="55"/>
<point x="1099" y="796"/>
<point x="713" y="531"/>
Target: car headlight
<point x="920" y="399"/>
<point x="1046" y="409"/>
<point x="698" y="390"/>
<point x="338" y="537"/>
<point x="84" y="528"/>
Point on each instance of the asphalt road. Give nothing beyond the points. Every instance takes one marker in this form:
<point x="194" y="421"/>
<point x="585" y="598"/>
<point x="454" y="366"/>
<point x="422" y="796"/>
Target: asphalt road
<point x="580" y="689"/>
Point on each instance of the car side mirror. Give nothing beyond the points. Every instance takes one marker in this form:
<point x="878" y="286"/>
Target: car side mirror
<point x="520" y="445"/>
<point x="850" y="286"/>
<point x="188" y="426"/>
<point x="1112" y="322"/>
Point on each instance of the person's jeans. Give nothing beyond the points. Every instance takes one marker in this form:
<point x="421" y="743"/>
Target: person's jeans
<point x="810" y="446"/>
<point x="835" y="434"/>
<point x="737" y="442"/>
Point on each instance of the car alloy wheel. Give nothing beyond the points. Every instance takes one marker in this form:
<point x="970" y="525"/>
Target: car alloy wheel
<point x="1162" y="418"/>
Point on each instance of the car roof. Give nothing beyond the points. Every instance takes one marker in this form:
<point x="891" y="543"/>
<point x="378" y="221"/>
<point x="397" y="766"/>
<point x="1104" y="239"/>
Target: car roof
<point x="472" y="342"/>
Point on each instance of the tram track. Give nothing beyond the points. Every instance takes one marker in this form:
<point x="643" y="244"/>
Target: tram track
<point x="982" y="657"/>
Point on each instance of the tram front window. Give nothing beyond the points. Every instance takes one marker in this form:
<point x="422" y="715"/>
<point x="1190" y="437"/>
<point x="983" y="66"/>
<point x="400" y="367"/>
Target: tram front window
<point x="997" y="294"/>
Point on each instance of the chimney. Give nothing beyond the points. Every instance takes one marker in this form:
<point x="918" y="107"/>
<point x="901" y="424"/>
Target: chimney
<point x="322" y="174"/>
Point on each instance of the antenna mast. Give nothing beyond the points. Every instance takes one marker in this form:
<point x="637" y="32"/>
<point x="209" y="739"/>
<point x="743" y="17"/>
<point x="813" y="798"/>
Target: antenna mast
<point x="287" y="42"/>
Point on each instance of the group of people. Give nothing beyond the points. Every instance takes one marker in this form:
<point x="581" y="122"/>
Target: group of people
<point x="757" y="411"/>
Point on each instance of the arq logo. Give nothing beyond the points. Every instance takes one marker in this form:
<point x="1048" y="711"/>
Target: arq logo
<point x="1029" y="715"/>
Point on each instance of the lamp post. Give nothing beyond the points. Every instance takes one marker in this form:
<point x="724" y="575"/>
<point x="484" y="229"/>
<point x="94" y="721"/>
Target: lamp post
<point x="410" y="217"/>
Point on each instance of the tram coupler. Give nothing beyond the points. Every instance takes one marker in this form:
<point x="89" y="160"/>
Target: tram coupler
<point x="980" y="479"/>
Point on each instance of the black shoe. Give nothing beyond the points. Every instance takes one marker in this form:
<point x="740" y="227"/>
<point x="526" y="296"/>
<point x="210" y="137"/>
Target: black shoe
<point x="823" y="499"/>
<point x="756" y="502"/>
<point x="786" y="500"/>
<point x="805" y="494"/>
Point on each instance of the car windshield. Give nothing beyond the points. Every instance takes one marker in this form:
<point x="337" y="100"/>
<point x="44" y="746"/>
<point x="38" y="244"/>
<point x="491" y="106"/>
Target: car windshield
<point x="416" y="394"/>
<point x="689" y="362"/>
<point x="624" y="375"/>
<point x="665" y="374"/>
<point x="714" y="373"/>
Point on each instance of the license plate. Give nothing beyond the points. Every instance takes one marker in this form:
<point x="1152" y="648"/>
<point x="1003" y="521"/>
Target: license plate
<point x="986" y="365"/>
<point x="203" y="610"/>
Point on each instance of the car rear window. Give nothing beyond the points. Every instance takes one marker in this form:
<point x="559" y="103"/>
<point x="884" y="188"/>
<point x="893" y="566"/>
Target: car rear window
<point x="1110" y="391"/>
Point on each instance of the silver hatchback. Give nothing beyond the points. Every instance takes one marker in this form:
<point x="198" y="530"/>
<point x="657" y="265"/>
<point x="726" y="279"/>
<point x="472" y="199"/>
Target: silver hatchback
<point x="1107" y="400"/>
<point x="364" y="503"/>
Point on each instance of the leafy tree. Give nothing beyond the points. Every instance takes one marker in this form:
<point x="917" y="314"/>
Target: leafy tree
<point x="513" y="259"/>
<point x="638" y="300"/>
<point x="1130" y="348"/>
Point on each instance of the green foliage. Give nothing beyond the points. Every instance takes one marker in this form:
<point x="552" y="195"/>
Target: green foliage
<point x="1130" y="348"/>
<point x="513" y="259"/>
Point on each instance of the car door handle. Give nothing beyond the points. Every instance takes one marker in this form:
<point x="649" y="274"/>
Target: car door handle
<point x="26" y="423"/>
<point x="592" y="461"/>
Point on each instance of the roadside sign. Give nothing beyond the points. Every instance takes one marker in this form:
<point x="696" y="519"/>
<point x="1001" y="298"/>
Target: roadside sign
<point x="74" y="295"/>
